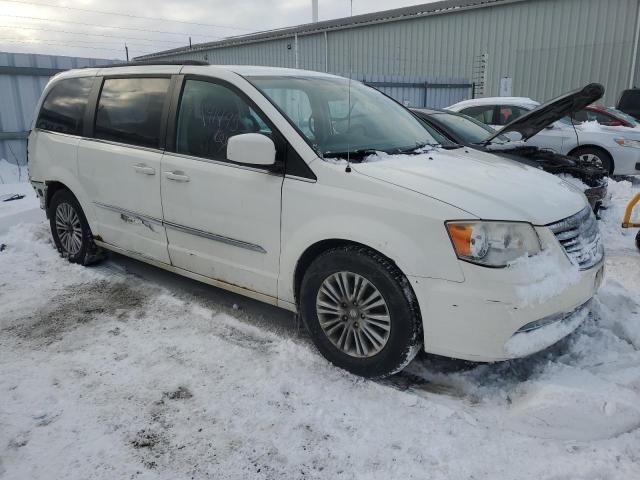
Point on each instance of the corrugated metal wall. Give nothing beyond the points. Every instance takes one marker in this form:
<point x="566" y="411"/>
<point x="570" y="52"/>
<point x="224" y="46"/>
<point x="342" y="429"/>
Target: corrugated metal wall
<point x="20" y="89"/>
<point x="547" y="46"/>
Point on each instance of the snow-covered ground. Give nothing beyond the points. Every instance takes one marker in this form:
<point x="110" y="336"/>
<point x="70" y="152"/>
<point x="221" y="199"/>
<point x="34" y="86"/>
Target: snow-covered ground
<point x="126" y="371"/>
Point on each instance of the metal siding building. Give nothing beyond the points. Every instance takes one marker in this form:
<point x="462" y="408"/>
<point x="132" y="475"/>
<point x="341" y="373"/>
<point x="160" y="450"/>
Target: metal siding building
<point x="23" y="76"/>
<point x="546" y="46"/>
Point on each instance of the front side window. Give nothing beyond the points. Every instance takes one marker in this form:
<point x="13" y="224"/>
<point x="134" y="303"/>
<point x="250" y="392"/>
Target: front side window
<point x="337" y="117"/>
<point x="63" y="109"/>
<point x="592" y="116"/>
<point x="209" y="115"/>
<point x="482" y="113"/>
<point x="130" y="110"/>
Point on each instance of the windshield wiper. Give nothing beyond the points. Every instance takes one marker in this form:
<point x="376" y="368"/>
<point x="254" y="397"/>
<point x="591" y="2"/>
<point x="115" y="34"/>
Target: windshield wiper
<point x="412" y="149"/>
<point x="451" y="146"/>
<point x="358" y="154"/>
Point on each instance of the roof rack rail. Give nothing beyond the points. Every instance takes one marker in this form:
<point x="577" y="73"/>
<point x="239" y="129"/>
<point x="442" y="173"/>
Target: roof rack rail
<point x="150" y="62"/>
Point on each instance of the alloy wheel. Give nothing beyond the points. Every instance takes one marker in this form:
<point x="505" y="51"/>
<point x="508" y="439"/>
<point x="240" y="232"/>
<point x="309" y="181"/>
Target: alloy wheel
<point x="353" y="314"/>
<point x="69" y="228"/>
<point x="591" y="158"/>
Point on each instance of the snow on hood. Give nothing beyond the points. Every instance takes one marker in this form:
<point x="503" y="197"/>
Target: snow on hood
<point x="482" y="184"/>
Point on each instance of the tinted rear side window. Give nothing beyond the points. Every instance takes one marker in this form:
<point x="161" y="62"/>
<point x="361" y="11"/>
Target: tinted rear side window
<point x="63" y="109"/>
<point x="130" y="110"/>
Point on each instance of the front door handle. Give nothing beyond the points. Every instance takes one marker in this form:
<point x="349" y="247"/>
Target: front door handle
<point x="177" y="176"/>
<point x="142" y="168"/>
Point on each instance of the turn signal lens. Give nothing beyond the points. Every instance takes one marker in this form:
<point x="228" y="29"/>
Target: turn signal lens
<point x="461" y="238"/>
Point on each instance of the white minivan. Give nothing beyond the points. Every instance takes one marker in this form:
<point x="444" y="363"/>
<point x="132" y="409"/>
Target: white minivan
<point x="319" y="195"/>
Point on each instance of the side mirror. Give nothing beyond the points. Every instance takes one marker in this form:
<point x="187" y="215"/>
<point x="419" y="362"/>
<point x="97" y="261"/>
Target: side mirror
<point x="251" y="149"/>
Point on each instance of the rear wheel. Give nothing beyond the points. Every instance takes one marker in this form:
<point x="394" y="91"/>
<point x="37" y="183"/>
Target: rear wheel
<point x="596" y="156"/>
<point x="361" y="311"/>
<point x="70" y="229"/>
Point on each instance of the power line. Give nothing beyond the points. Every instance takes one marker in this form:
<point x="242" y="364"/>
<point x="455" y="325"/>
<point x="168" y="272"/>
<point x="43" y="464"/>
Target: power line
<point x="104" y="12"/>
<point x="87" y="42"/>
<point x="63" y="44"/>
<point x="22" y="27"/>
<point x="106" y="26"/>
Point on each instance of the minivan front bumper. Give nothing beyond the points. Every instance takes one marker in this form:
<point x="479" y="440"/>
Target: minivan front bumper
<point x="485" y="319"/>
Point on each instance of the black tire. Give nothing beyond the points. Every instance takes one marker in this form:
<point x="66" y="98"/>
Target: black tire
<point x="87" y="252"/>
<point x="638" y="240"/>
<point x="404" y="335"/>
<point x="601" y="156"/>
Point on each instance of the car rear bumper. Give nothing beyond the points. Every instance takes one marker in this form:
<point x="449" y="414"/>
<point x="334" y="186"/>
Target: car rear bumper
<point x="485" y="318"/>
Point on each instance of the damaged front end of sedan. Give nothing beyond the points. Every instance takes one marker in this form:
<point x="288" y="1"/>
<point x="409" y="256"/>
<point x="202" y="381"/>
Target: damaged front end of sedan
<point x="592" y="177"/>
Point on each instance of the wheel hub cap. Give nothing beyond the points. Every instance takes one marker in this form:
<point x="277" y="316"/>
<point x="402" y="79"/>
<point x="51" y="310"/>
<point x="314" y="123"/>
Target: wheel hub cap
<point x="69" y="229"/>
<point x="353" y="314"/>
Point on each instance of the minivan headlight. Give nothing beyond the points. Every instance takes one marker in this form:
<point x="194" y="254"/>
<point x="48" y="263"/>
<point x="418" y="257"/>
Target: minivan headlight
<point x="493" y="244"/>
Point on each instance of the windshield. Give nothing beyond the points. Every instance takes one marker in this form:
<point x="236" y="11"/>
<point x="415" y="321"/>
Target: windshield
<point x="320" y="109"/>
<point x="626" y="117"/>
<point x="468" y="129"/>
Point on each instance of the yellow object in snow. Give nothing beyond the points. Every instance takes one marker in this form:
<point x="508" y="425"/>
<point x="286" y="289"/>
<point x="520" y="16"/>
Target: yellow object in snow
<point x="626" y="221"/>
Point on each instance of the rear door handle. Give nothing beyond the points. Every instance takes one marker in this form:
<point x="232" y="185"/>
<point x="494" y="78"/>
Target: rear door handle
<point x="177" y="176"/>
<point x="142" y="168"/>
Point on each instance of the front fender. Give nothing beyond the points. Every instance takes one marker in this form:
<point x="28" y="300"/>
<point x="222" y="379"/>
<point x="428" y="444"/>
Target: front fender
<point x="406" y="227"/>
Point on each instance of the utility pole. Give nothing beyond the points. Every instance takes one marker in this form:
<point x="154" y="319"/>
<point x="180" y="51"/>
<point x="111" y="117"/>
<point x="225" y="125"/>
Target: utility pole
<point x="126" y="51"/>
<point x="189" y="43"/>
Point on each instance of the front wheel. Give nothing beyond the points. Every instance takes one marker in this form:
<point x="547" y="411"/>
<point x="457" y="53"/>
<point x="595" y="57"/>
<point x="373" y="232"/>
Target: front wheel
<point x="595" y="156"/>
<point x="361" y="311"/>
<point x="70" y="229"/>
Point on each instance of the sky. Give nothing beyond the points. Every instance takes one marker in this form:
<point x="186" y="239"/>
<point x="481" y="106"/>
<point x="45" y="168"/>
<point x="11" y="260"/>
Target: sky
<point x="100" y="28"/>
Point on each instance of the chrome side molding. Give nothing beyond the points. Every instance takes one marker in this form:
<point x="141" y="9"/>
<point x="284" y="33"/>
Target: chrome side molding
<point x="127" y="215"/>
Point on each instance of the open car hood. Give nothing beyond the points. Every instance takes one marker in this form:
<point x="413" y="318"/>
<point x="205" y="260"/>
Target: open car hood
<point x="534" y="121"/>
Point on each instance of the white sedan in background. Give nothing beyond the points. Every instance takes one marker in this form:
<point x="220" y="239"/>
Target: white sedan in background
<point x="615" y="148"/>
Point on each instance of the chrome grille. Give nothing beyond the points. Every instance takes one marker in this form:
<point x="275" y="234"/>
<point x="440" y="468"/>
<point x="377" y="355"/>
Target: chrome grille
<point x="580" y="237"/>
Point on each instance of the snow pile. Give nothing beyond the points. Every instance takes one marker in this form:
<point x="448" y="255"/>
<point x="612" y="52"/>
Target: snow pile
<point x="576" y="182"/>
<point x="149" y="375"/>
<point x="614" y="236"/>
<point x="590" y="126"/>
<point x="527" y="343"/>
<point x="12" y="173"/>
<point x="22" y="210"/>
<point x="549" y="279"/>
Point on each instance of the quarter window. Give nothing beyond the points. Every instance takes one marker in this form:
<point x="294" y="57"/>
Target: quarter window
<point x="508" y="113"/>
<point x="209" y="115"/>
<point x="63" y="109"/>
<point x="130" y="110"/>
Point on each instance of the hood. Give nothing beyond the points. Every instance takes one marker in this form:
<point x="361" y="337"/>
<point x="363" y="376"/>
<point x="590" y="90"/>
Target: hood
<point x="534" y="121"/>
<point x="482" y="184"/>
